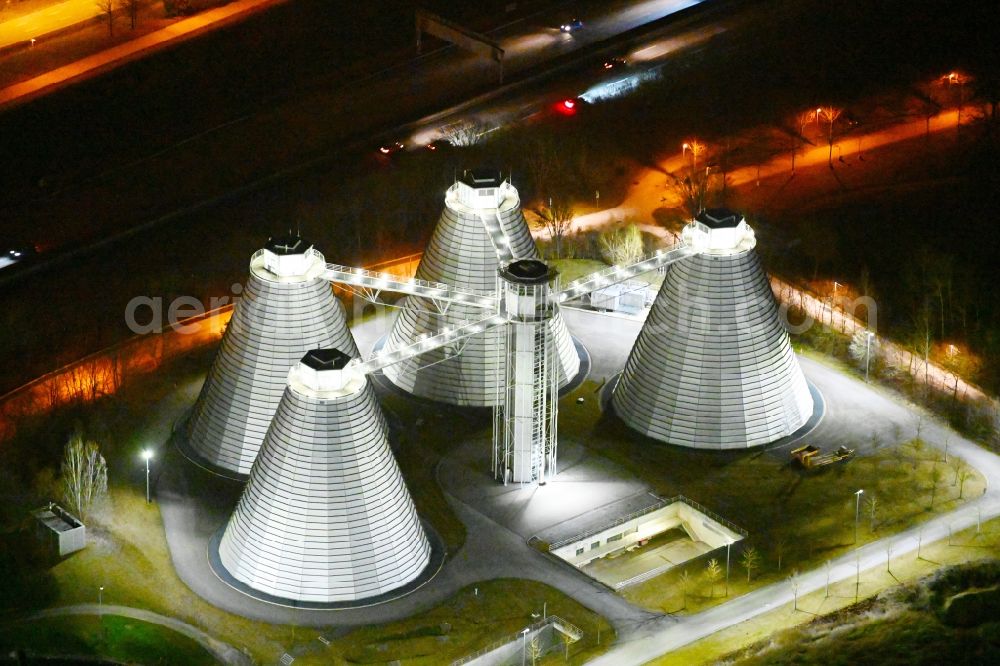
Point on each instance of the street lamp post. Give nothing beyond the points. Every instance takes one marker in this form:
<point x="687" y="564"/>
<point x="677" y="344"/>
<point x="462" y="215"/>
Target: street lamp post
<point x="728" y="546"/>
<point x="100" y="609"/>
<point x="857" y="511"/>
<point x="147" y="454"/>
<point x="868" y="352"/>
<point x="524" y="643"/>
<point x="696" y="149"/>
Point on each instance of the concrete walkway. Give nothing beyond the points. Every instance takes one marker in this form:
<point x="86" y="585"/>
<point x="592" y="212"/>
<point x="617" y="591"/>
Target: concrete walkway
<point x="131" y="49"/>
<point x="225" y="653"/>
<point x="660" y="637"/>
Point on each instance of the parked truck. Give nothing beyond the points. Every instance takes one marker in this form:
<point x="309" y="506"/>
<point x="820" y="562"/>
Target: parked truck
<point x="811" y="457"/>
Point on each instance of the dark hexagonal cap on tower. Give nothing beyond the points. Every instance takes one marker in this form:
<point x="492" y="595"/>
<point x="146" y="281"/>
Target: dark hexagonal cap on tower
<point x="719" y="218"/>
<point x="287" y="245"/>
<point x="326" y="359"/>
<point x="482" y="177"/>
<point x="528" y="271"/>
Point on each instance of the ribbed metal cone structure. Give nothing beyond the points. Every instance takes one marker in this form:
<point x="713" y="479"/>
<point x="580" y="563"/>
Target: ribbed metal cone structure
<point x="325" y="516"/>
<point x="276" y="320"/>
<point x="462" y="253"/>
<point x="713" y="367"/>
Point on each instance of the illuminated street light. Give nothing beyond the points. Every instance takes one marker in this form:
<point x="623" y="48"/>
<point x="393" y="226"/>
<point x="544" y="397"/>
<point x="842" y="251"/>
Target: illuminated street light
<point x="147" y="454"/>
<point x="857" y="511"/>
<point x="959" y="79"/>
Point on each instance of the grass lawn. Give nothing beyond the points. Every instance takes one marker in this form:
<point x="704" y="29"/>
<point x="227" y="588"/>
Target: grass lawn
<point x="465" y="623"/>
<point x="131" y="561"/>
<point x="111" y="636"/>
<point x="833" y="630"/>
<point x="800" y="518"/>
<point x="128" y="554"/>
<point x="573" y="269"/>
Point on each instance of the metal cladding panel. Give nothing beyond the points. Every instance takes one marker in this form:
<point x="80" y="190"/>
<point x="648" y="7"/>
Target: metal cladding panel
<point x="272" y="326"/>
<point x="461" y="254"/>
<point x="713" y="367"/>
<point x="325" y="516"/>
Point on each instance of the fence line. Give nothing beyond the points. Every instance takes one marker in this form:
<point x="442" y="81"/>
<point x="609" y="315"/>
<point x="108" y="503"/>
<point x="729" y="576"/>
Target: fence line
<point x="927" y="372"/>
<point x="103" y="372"/>
<point x="510" y="638"/>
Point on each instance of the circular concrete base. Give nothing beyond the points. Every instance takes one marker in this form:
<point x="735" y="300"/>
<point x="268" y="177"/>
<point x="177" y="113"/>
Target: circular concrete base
<point x="430" y="571"/>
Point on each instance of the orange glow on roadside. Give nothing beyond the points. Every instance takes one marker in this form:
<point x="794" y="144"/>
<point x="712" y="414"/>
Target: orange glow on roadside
<point x="103" y="373"/>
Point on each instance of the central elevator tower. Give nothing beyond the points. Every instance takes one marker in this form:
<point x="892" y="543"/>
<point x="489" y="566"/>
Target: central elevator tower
<point x="527" y="405"/>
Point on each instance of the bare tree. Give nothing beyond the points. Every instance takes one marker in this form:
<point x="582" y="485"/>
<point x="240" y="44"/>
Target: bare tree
<point x="794" y="581"/>
<point x="107" y="9"/>
<point x="872" y="503"/>
<point x="535" y="650"/>
<point x="964" y="474"/>
<point x="712" y="574"/>
<point x="84" y="475"/>
<point x="876" y="441"/>
<point x="692" y="190"/>
<point x="936" y="474"/>
<point x="779" y="550"/>
<point x="133" y="12"/>
<point x="567" y="641"/>
<point x="622" y="246"/>
<point x="830" y="114"/>
<point x="863" y="348"/>
<point x="685" y="580"/>
<point x="956" y="464"/>
<point x="749" y="559"/>
<point x="802" y="120"/>
<point x="557" y="220"/>
<point x="466" y="132"/>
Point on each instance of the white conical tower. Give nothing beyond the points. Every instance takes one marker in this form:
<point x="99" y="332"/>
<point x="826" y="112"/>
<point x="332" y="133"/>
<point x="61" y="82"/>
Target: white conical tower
<point x="713" y="367"/>
<point x="286" y="308"/>
<point x="326" y="516"/>
<point x="480" y="229"/>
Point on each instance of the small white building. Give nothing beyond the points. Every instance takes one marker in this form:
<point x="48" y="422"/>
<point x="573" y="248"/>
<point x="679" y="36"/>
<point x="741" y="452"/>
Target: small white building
<point x="62" y="532"/>
<point x="628" y="297"/>
<point x="621" y="536"/>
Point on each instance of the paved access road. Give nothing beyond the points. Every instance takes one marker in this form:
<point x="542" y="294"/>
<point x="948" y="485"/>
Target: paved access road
<point x="45" y="20"/>
<point x="122" y="52"/>
<point x="666" y="634"/>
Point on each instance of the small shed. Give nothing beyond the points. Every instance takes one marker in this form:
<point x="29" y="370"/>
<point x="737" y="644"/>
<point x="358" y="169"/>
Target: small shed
<point x="628" y="297"/>
<point x="61" y="531"/>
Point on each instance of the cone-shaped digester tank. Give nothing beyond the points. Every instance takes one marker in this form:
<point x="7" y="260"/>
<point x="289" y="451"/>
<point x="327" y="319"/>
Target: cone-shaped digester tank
<point x="481" y="227"/>
<point x="286" y="308"/>
<point x="326" y="516"/>
<point x="713" y="367"/>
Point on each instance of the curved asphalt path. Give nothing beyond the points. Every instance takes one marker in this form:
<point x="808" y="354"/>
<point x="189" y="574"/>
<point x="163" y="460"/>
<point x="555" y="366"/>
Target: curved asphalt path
<point x="659" y="637"/>
<point x="493" y="551"/>
<point x="223" y="652"/>
<point x="192" y="515"/>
